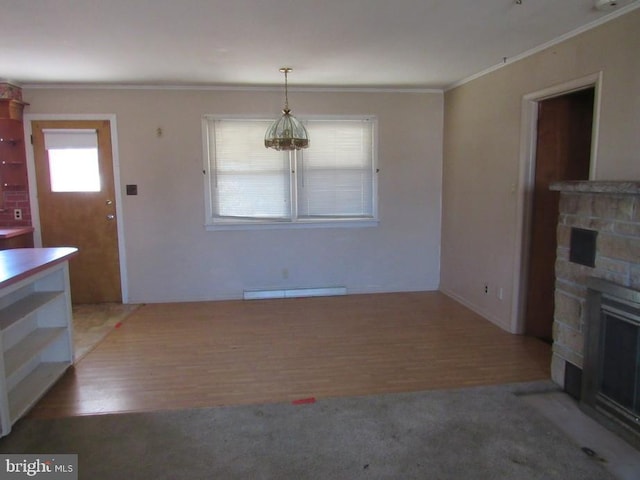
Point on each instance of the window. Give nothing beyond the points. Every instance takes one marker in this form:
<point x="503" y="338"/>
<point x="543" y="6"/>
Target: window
<point x="331" y="182"/>
<point x="73" y="160"/>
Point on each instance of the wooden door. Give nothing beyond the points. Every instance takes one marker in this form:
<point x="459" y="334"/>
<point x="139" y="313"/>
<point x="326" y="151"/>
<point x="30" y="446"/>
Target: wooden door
<point x="563" y="152"/>
<point x="84" y="219"/>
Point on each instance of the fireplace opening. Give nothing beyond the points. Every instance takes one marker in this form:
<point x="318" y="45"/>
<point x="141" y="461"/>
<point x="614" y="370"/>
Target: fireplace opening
<point x="611" y="369"/>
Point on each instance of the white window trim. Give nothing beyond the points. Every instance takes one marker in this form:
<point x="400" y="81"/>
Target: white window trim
<point x="217" y="224"/>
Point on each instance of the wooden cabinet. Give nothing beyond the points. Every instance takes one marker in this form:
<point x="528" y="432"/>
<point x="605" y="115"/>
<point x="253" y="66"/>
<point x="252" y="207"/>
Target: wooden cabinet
<point x="11" y="108"/>
<point x="35" y="327"/>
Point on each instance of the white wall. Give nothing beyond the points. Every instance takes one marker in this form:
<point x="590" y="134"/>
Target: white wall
<point x="170" y="256"/>
<point x="482" y="154"/>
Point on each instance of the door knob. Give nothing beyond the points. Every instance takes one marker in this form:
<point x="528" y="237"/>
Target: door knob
<point x="111" y="216"/>
<point x="109" y="202"/>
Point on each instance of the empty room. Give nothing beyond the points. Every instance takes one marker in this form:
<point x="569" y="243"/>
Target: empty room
<point x="320" y="240"/>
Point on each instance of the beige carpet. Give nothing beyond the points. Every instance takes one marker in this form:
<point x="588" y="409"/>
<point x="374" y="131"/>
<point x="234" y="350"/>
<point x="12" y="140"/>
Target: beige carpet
<point x="93" y="322"/>
<point x="483" y="433"/>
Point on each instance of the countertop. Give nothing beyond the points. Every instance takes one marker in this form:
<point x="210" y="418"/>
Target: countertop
<point x="20" y="263"/>
<point x="10" y="232"/>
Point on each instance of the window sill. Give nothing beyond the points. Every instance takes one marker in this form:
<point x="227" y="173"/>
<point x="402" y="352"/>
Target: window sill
<point x="268" y="225"/>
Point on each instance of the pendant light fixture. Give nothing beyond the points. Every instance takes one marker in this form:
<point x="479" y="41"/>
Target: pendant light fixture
<point x="286" y="133"/>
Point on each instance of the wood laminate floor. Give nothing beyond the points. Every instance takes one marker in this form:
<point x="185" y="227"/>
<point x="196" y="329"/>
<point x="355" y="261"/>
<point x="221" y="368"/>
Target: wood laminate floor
<point x="93" y="322"/>
<point x="185" y="355"/>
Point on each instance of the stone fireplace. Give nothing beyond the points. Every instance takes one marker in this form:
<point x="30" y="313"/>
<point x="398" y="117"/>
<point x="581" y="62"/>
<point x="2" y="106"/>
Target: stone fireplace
<point x="598" y="257"/>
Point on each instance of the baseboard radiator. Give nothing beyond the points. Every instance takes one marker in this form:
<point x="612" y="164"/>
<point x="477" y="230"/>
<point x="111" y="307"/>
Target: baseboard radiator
<point x="294" y="293"/>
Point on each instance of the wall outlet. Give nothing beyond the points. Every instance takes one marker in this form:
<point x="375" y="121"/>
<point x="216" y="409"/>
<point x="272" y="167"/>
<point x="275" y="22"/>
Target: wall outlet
<point x="17" y="214"/>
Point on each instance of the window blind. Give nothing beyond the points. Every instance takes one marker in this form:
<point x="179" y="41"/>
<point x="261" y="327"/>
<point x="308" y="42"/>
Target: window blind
<point x="333" y="180"/>
<point x="335" y="175"/>
<point x="60" y="138"/>
<point x="249" y="181"/>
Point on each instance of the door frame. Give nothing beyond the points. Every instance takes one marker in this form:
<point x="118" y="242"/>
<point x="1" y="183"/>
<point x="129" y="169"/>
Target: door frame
<point x="33" y="187"/>
<point x="526" y="177"/>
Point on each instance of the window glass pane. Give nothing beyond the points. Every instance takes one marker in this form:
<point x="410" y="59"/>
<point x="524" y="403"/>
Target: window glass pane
<point x="336" y="178"/>
<point x="74" y="170"/>
<point x="250" y="181"/>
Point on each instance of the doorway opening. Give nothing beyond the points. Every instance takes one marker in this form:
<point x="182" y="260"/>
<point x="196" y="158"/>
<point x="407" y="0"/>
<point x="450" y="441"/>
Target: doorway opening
<point x="76" y="201"/>
<point x="558" y="144"/>
<point x="563" y="152"/>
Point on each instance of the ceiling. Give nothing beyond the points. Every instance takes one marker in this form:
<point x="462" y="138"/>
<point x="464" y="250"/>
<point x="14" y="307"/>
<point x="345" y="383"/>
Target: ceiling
<point x="415" y="44"/>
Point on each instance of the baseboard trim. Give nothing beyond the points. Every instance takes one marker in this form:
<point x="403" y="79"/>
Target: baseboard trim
<point x="475" y="308"/>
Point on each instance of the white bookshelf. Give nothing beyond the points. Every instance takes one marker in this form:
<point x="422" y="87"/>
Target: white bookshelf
<point x="35" y="327"/>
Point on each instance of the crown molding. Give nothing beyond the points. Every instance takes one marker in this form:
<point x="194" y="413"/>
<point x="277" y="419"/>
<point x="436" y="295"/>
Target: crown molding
<point x="223" y="88"/>
<point x="508" y="61"/>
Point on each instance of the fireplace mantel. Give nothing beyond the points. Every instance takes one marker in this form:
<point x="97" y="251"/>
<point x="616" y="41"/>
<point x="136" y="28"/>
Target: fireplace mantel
<point x="615" y="187"/>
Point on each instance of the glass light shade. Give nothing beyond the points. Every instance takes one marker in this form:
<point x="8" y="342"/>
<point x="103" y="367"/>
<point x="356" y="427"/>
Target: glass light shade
<point x="286" y="133"/>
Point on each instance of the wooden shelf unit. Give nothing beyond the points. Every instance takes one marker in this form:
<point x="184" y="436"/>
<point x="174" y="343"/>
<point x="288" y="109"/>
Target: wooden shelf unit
<point x="13" y="165"/>
<point x="36" y="332"/>
<point x="13" y="158"/>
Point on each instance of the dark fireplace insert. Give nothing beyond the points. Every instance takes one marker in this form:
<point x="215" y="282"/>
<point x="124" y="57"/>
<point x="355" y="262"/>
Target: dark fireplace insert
<point x="611" y="367"/>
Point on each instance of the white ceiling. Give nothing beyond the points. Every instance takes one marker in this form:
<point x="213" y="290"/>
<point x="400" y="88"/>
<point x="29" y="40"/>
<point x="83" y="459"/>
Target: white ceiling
<point x="330" y="43"/>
